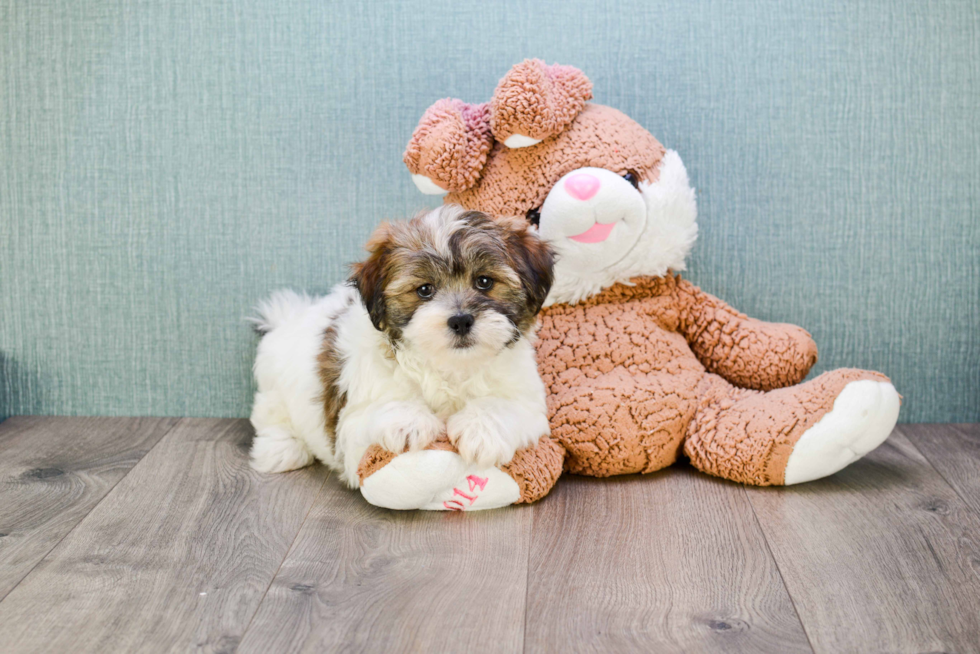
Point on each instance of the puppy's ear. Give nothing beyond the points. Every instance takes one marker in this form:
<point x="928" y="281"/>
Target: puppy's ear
<point x="369" y="276"/>
<point x="534" y="261"/>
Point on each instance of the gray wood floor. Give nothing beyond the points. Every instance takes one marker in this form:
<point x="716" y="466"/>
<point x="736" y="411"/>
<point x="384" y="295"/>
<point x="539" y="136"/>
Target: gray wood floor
<point x="125" y="535"/>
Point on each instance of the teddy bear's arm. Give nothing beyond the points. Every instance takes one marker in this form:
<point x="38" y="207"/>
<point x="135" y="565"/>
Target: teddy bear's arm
<point x="747" y="352"/>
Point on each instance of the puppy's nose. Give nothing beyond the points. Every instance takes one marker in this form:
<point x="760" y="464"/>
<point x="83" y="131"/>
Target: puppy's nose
<point x="461" y="323"/>
<point x="582" y="186"/>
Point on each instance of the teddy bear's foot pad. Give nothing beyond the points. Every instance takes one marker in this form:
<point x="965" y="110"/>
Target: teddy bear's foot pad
<point x="863" y="416"/>
<point x="438" y="480"/>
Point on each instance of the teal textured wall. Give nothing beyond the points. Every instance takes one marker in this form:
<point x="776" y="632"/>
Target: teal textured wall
<point x="165" y="164"/>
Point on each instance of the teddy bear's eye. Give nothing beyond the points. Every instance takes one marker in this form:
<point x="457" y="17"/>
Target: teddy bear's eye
<point x="534" y="216"/>
<point x="631" y="177"/>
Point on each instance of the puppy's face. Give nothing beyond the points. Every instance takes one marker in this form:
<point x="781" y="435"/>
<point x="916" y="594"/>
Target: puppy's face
<point x="454" y="282"/>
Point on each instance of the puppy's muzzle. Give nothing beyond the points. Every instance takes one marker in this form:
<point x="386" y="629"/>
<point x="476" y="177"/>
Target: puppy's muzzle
<point x="461" y="323"/>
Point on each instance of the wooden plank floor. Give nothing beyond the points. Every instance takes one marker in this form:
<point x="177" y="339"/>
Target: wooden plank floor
<point x="124" y="535"/>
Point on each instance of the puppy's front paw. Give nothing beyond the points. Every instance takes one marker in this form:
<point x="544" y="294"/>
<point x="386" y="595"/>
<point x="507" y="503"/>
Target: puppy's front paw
<point x="402" y="426"/>
<point x="477" y="435"/>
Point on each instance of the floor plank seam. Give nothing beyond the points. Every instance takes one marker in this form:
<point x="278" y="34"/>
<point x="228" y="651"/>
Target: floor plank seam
<point x="289" y="551"/>
<point x="527" y="577"/>
<point x="775" y="562"/>
<point x="84" y="517"/>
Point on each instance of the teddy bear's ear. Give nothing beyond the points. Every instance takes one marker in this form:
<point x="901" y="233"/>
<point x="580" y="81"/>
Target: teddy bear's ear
<point x="449" y="147"/>
<point x="535" y="101"/>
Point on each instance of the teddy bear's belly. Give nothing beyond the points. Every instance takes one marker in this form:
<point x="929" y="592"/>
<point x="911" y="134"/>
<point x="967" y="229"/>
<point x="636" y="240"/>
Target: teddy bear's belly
<point x="624" y="422"/>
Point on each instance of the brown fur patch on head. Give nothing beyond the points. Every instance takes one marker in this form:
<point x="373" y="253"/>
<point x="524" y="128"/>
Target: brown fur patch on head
<point x="514" y="181"/>
<point x="519" y="262"/>
<point x="534" y="261"/>
<point x="450" y="249"/>
<point x="369" y="276"/>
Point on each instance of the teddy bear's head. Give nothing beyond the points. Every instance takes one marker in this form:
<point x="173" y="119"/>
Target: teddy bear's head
<point x="600" y="188"/>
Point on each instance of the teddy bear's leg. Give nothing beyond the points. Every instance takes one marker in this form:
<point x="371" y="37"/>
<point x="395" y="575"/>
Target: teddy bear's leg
<point x="863" y="416"/>
<point x="621" y="423"/>
<point x="438" y="479"/>
<point x="793" y="434"/>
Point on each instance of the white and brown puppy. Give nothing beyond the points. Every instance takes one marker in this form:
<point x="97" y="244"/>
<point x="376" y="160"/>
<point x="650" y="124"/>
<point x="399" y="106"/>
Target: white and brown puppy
<point x="433" y="335"/>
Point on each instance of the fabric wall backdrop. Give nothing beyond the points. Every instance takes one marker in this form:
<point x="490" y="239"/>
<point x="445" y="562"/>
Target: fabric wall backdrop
<point x="166" y="164"/>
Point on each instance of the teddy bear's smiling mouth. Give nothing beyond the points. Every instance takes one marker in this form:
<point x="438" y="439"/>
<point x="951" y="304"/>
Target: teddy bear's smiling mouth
<point x="598" y="233"/>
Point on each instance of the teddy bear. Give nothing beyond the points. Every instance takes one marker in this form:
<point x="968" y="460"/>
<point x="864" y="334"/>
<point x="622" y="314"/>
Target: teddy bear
<point x="640" y="365"/>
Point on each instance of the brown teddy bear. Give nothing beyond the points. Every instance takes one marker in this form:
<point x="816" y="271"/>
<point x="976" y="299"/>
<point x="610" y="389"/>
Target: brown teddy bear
<point x="641" y="366"/>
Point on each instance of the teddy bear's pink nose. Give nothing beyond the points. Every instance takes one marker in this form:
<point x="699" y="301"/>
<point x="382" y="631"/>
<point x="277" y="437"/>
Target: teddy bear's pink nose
<point x="582" y="186"/>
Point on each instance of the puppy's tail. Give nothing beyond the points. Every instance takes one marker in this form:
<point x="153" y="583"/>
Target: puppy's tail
<point x="282" y="306"/>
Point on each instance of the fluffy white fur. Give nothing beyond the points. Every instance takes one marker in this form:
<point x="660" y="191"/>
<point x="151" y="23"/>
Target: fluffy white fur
<point x="488" y="398"/>
<point x="656" y="226"/>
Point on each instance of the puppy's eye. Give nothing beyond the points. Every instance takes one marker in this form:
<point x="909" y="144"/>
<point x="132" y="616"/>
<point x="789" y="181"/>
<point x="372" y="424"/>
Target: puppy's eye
<point x="534" y="216"/>
<point x="426" y="291"/>
<point x="484" y="283"/>
<point x="631" y="177"/>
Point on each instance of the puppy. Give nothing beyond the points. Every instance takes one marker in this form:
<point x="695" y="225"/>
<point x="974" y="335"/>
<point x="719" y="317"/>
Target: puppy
<point x="432" y="335"/>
